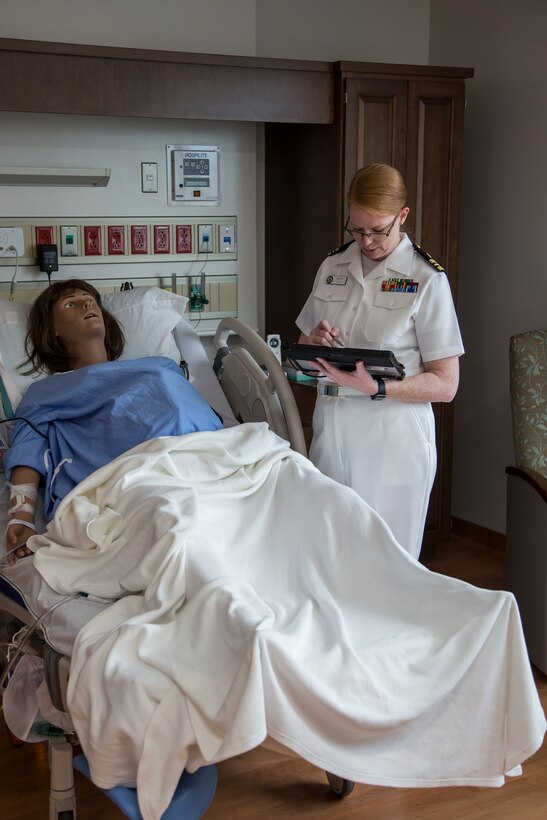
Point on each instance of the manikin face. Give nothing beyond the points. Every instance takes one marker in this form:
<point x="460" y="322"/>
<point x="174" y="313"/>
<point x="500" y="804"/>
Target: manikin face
<point x="77" y="318"/>
<point x="376" y="235"/>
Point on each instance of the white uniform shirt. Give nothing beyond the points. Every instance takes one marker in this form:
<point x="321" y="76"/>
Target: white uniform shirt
<point x="404" y="305"/>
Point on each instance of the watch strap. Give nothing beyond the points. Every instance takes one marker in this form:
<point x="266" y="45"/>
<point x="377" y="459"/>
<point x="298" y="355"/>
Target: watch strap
<point x="381" y="394"/>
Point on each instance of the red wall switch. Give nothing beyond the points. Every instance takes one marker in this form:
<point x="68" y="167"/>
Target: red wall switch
<point x="116" y="239"/>
<point x="139" y="238"/>
<point x="92" y="240"/>
<point x="44" y="235"/>
<point x="184" y="239"/>
<point x="161" y="239"/>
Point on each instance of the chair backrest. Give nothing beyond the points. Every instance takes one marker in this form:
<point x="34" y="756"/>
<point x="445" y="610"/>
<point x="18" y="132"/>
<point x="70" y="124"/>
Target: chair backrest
<point x="528" y="387"/>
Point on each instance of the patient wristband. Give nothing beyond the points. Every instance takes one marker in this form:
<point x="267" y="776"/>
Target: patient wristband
<point x="18" y="495"/>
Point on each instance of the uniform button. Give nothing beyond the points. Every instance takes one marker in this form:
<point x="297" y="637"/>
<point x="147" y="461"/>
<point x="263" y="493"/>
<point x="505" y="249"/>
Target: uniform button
<point x="354" y="309"/>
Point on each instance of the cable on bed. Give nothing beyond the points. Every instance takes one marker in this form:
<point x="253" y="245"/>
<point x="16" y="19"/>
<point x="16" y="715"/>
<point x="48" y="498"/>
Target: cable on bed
<point x="29" y="632"/>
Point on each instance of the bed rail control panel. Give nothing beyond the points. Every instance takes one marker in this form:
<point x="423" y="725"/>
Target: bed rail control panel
<point x="96" y="240"/>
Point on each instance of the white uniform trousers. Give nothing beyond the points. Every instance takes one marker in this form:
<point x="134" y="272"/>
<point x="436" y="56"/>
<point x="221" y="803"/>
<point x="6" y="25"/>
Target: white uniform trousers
<point x="385" y="451"/>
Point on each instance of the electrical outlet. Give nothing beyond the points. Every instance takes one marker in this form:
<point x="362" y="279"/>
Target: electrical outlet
<point x="139" y="238"/>
<point x="205" y="238"/>
<point x="162" y="241"/>
<point x="44" y="234"/>
<point x="116" y="240"/>
<point x="184" y="239"/>
<point x="92" y="240"/>
<point x="12" y="242"/>
<point x="226" y="238"/>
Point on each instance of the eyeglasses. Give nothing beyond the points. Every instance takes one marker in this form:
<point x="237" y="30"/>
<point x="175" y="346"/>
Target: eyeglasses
<point x="357" y="233"/>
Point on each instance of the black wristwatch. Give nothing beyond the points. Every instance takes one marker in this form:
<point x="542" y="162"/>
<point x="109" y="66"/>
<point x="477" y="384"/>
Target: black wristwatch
<point x="381" y="394"/>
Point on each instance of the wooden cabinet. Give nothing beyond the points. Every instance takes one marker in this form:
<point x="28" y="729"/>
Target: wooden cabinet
<point x="408" y="117"/>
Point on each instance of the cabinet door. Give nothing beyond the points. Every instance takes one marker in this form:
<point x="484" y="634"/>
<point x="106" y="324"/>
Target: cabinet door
<point x="433" y="168"/>
<point x="433" y="174"/>
<point x="375" y="124"/>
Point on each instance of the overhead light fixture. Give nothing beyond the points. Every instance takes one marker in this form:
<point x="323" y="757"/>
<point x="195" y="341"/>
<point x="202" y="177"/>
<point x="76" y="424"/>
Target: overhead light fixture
<point x="55" y="177"/>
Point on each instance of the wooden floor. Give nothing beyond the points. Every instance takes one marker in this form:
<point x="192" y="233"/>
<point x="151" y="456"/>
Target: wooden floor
<point x="275" y="788"/>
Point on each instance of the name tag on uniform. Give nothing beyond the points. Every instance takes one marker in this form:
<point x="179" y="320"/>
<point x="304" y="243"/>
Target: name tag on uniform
<point x="400" y="285"/>
<point x="339" y="279"/>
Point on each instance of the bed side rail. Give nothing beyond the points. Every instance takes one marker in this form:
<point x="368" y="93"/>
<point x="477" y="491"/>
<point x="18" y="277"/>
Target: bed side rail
<point x="254" y="382"/>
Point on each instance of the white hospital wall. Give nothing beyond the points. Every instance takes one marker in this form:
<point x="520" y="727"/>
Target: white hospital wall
<point x="503" y="249"/>
<point x="121" y="144"/>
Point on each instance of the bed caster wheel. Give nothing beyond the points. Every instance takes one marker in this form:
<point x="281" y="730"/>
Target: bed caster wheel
<point x="338" y="786"/>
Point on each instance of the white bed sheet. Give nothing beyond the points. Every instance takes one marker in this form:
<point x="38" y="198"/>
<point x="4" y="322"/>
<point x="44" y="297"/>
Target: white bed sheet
<point x="276" y="603"/>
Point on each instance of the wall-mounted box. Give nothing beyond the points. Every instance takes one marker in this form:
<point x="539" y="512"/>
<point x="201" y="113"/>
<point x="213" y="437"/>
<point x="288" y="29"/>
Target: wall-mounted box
<point x="193" y="174"/>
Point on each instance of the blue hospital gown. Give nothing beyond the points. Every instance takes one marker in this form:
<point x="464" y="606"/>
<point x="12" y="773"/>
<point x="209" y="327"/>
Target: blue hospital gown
<point x="94" y="414"/>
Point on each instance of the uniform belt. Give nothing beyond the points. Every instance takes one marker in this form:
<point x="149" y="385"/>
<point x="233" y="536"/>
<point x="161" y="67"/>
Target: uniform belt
<point x="336" y="390"/>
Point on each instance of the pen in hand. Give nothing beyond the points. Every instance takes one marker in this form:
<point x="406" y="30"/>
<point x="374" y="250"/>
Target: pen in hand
<point x="338" y="342"/>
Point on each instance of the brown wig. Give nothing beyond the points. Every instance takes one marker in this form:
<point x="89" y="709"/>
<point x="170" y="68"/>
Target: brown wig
<point x="44" y="349"/>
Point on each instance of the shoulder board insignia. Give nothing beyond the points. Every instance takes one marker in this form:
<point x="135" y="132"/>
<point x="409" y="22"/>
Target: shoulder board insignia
<point x="341" y="249"/>
<point x="428" y="258"/>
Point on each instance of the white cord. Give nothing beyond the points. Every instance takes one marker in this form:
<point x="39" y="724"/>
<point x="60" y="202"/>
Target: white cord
<point x="14" y="277"/>
<point x="30" y="631"/>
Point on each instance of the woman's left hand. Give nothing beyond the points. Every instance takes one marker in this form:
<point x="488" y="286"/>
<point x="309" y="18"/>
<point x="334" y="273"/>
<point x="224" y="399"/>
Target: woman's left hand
<point x="18" y="534"/>
<point x="358" y="379"/>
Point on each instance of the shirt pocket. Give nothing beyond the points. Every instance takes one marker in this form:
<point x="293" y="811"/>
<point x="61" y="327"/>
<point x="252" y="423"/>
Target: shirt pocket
<point x="332" y="293"/>
<point x="390" y="316"/>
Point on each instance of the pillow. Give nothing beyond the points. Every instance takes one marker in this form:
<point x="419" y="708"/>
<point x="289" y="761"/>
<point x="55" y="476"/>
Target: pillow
<point x="148" y="316"/>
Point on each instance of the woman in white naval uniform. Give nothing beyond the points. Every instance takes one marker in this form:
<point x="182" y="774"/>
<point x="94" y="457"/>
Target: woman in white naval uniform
<point x="380" y="291"/>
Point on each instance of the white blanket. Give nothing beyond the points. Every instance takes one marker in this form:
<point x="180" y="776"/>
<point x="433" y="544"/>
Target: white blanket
<point x="263" y="599"/>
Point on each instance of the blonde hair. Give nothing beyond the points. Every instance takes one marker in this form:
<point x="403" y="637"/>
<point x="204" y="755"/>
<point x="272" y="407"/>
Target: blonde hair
<point x="378" y="189"/>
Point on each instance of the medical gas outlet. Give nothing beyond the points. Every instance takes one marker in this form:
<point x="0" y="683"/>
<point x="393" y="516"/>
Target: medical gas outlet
<point x="197" y="298"/>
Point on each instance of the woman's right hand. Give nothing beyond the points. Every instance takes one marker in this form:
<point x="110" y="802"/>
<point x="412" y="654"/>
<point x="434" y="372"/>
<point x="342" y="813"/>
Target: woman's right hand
<point x="323" y="334"/>
<point x="18" y="534"/>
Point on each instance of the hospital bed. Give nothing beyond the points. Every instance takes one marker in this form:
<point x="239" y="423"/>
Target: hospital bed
<point x="245" y="384"/>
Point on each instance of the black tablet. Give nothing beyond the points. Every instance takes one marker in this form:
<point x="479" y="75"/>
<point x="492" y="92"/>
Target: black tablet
<point x="378" y="362"/>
